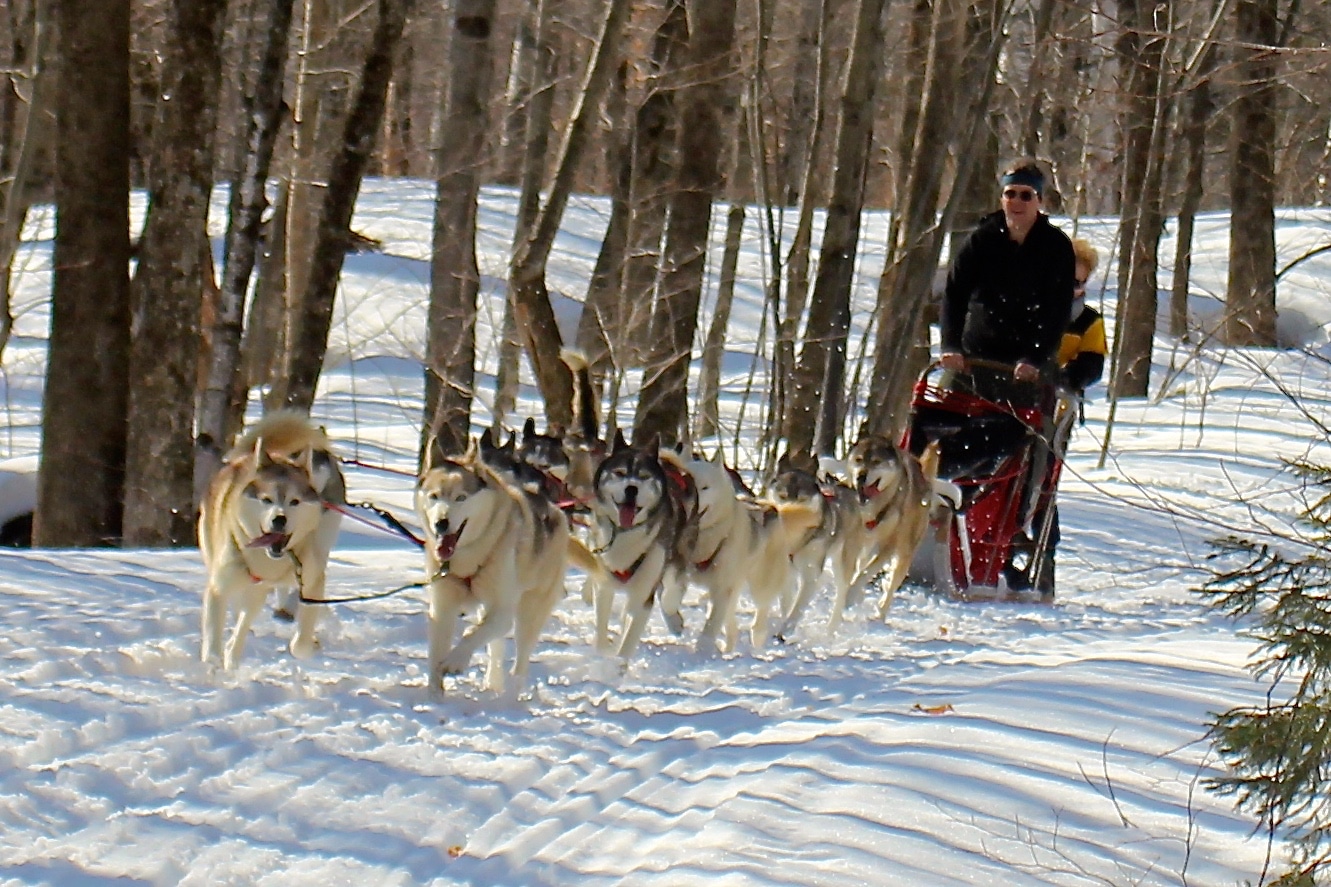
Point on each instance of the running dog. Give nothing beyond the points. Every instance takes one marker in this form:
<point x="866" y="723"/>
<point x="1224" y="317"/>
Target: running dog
<point x="741" y="542"/>
<point x="643" y="527"/>
<point x="492" y="545"/>
<point x="837" y="540"/>
<point x="896" y="493"/>
<point x="264" y="524"/>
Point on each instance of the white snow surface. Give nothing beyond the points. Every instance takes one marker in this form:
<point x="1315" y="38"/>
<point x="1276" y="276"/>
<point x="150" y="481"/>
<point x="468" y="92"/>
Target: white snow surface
<point x="953" y="744"/>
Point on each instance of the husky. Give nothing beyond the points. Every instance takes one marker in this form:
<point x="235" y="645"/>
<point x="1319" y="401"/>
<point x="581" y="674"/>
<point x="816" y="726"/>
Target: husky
<point x="265" y="524"/>
<point x="896" y="493"/>
<point x="837" y="541"/>
<point x="741" y="541"/>
<point x="643" y="527"/>
<point x="490" y="544"/>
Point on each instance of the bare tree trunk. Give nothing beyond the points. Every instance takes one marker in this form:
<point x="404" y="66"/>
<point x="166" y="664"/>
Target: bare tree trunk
<point x="599" y="324"/>
<point x="1250" y="296"/>
<point x="323" y="78"/>
<point x="81" y="482"/>
<point x="714" y="347"/>
<point x="663" y="404"/>
<point x="798" y="258"/>
<point x="25" y="132"/>
<point x="958" y="65"/>
<point x="169" y="284"/>
<point x="821" y="369"/>
<point x="1035" y="79"/>
<point x="1192" y="135"/>
<point x="305" y="354"/>
<point x="1143" y="221"/>
<point x="536" y="319"/>
<point x="539" y="113"/>
<point x="455" y="279"/>
<point x="225" y="391"/>
<point x="914" y="253"/>
<point x="518" y="91"/>
<point x="653" y="140"/>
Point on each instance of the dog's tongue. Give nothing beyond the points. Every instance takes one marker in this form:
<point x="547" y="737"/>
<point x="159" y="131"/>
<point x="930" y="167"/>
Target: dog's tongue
<point x="269" y="541"/>
<point x="448" y="543"/>
<point x="627" y="514"/>
<point x="871" y="490"/>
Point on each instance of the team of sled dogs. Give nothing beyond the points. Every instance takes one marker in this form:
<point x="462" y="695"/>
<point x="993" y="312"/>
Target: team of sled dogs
<point x="504" y="522"/>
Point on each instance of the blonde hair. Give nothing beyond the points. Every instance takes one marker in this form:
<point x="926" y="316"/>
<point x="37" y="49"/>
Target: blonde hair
<point x="1086" y="254"/>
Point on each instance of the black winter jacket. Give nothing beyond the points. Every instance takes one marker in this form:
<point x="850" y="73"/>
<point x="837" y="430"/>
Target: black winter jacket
<point x="1005" y="301"/>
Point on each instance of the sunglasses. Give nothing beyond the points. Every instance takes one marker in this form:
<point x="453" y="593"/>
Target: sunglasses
<point x="1025" y="195"/>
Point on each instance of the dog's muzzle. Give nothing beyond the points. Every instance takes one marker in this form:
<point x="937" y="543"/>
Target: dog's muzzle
<point x="628" y="510"/>
<point x="447" y="540"/>
<point x="275" y="542"/>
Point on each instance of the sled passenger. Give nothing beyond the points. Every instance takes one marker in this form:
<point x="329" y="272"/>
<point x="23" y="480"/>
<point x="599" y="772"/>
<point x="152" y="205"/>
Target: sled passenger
<point x="1082" y="352"/>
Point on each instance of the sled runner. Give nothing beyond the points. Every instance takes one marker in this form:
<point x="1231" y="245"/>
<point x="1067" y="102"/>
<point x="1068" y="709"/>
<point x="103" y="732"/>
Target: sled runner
<point x="990" y="538"/>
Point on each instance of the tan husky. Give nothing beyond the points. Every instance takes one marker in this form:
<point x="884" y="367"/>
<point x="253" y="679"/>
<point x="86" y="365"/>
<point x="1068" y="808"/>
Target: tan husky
<point x="896" y="492"/>
<point x="264" y="525"/>
<point x="494" y="546"/>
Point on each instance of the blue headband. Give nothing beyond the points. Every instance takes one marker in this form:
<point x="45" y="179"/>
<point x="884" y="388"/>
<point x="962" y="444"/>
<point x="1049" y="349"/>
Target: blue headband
<point x="1025" y="176"/>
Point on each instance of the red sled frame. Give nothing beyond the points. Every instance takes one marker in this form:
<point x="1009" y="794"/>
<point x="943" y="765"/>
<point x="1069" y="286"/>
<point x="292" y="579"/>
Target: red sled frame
<point x="976" y="527"/>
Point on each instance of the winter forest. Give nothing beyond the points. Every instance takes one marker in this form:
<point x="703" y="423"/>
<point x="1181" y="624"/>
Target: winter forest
<point x="197" y="166"/>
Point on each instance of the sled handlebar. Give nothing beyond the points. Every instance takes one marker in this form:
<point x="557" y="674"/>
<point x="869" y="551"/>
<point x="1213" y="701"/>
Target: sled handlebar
<point x="983" y="363"/>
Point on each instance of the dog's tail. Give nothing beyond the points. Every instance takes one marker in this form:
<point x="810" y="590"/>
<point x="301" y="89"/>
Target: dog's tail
<point x="929" y="460"/>
<point x="798" y="519"/>
<point x="584" y="395"/>
<point x="581" y="557"/>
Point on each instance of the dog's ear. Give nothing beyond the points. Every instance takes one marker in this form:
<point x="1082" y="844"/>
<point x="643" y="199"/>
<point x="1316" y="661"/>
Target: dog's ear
<point x="620" y="443"/>
<point x="529" y="428"/>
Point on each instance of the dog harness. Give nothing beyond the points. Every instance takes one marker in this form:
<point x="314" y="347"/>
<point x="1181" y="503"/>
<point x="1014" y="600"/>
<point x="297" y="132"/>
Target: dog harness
<point x="627" y="574"/>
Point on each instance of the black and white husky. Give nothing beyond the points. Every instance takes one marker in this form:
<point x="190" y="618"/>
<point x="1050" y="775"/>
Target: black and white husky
<point x="643" y="528"/>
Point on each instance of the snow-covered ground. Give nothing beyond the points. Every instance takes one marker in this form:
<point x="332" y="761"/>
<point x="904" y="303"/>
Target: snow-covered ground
<point x="954" y="744"/>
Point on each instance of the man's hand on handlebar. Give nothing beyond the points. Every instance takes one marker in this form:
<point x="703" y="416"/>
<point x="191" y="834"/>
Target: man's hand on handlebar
<point x="952" y="360"/>
<point x="1025" y="372"/>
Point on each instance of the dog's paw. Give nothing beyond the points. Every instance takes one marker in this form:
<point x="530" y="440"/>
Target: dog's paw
<point x="454" y="663"/>
<point x="304" y="647"/>
<point x="675" y="622"/>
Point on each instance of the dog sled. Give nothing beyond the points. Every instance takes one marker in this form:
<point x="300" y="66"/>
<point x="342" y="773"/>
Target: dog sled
<point x="992" y="529"/>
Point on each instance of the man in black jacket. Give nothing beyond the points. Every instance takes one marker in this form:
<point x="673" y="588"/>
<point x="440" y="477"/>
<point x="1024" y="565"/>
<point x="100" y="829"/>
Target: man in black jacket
<point x="1009" y="290"/>
<point x="1007" y="299"/>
